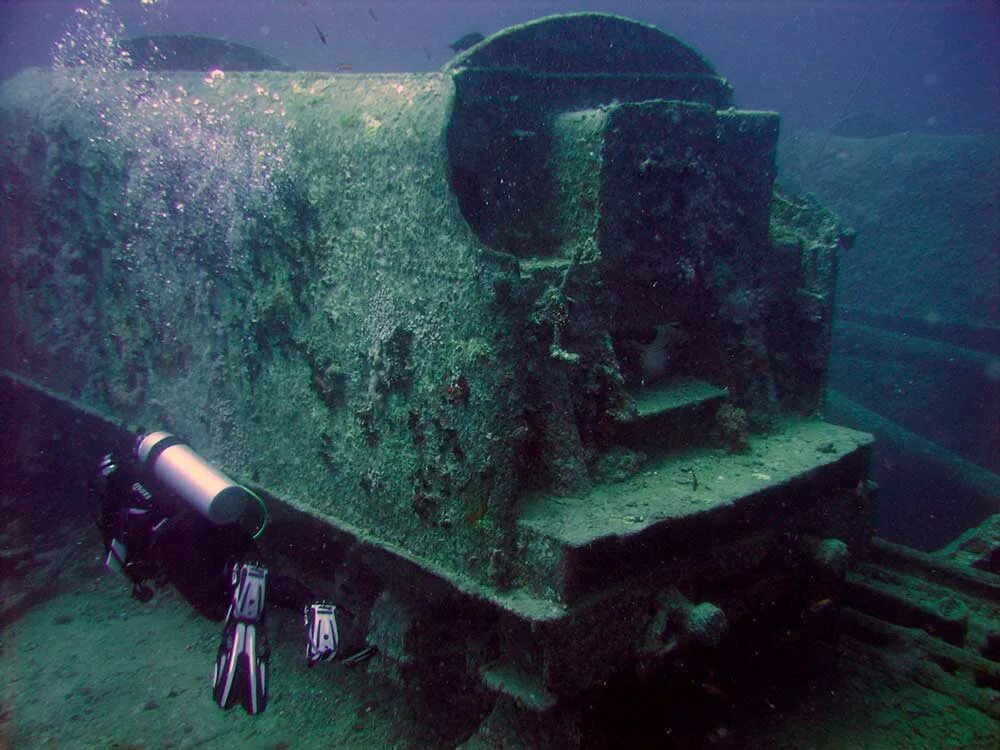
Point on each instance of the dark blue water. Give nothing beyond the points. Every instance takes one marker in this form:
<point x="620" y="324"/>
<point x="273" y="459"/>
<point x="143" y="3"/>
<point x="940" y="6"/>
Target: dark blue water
<point x="931" y="66"/>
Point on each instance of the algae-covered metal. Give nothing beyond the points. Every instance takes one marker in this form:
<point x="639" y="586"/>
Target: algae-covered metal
<point x="513" y="322"/>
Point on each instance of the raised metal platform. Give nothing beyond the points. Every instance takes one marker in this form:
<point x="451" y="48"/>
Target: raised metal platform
<point x="613" y="532"/>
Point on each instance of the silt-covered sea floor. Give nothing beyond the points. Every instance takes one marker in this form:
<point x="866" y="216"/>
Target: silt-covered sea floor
<point x="84" y="665"/>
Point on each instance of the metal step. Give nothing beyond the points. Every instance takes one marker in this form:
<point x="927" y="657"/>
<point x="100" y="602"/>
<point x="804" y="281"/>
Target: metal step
<point x="671" y="415"/>
<point x="686" y="506"/>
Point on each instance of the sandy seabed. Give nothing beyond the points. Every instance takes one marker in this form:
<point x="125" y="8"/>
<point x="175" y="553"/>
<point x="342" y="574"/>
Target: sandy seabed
<point x="84" y="665"/>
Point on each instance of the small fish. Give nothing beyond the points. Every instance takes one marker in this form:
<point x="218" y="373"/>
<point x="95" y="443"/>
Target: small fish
<point x="344" y="67"/>
<point x="322" y="36"/>
<point x="371" y="13"/>
<point x="820" y="604"/>
<point x="658" y="355"/>
<point x="469" y="40"/>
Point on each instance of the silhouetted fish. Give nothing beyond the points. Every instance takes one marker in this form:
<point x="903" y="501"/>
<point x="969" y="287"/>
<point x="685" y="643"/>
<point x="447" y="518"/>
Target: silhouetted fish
<point x="469" y="40"/>
<point x="322" y="36"/>
<point x="658" y="355"/>
<point x="372" y="14"/>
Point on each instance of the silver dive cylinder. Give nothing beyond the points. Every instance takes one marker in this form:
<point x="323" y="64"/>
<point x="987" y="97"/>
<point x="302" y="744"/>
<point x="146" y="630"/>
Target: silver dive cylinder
<point x="217" y="497"/>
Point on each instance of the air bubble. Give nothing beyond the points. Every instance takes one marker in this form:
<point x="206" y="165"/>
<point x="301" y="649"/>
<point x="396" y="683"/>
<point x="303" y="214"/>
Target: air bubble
<point x="193" y="168"/>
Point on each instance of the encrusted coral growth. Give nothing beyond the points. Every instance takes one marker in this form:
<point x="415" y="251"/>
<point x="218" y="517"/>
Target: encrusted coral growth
<point x="732" y="428"/>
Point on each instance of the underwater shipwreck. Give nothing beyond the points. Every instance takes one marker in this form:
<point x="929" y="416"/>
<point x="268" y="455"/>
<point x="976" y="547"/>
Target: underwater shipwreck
<point x="525" y="355"/>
